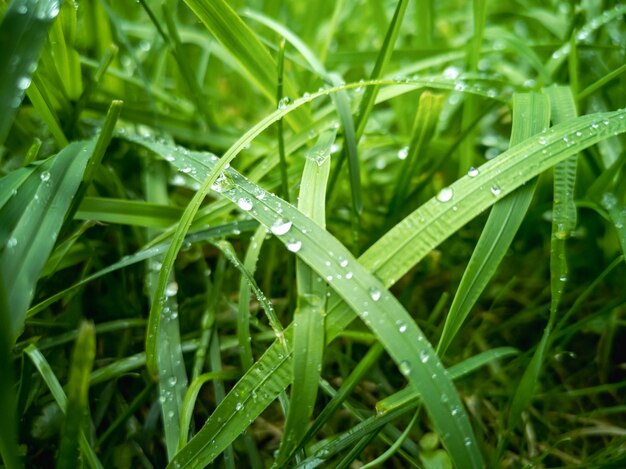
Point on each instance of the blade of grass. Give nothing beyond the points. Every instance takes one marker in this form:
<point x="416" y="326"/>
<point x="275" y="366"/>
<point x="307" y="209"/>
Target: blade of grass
<point x="77" y="397"/>
<point x="563" y="223"/>
<point x="243" y="318"/>
<point x="23" y="32"/>
<point x="33" y="219"/>
<point x="172" y="384"/>
<point x="308" y="322"/>
<point x="531" y="115"/>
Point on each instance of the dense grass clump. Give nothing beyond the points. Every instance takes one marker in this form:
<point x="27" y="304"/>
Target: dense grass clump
<point x="312" y="234"/>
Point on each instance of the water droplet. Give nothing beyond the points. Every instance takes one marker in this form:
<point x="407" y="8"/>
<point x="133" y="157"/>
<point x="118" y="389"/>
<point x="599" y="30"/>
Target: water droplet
<point x="401" y="327"/>
<point x="375" y="294"/>
<point x="294" y="245"/>
<point x="491" y="153"/>
<point x="543" y="140"/>
<point x="472" y="172"/>
<point x="170" y="414"/>
<point x="445" y="194"/>
<point x="405" y="368"/>
<point x="424" y="356"/>
<point x="44" y="176"/>
<point x="239" y="406"/>
<point x="172" y="381"/>
<point x="283" y="103"/>
<point x="451" y="72"/>
<point x="23" y="82"/>
<point x="244" y="203"/>
<point x="12" y="242"/>
<point x="456" y="410"/>
<point x="349" y="275"/>
<point x="171" y="289"/>
<point x="403" y="153"/>
<point x="467" y="441"/>
<point x="495" y="190"/>
<point x="343" y="263"/>
<point x="281" y="227"/>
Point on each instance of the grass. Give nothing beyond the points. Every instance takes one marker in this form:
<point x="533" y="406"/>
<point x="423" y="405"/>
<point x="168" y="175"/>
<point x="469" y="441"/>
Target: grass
<point x="304" y="234"/>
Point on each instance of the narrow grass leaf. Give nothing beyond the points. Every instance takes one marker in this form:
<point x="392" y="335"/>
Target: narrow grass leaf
<point x="563" y="206"/>
<point x="23" y="32"/>
<point x="77" y="397"/>
<point x="33" y="219"/>
<point x="308" y="322"/>
<point x="531" y="115"/>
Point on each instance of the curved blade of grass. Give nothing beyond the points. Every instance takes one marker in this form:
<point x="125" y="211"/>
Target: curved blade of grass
<point x="228" y="28"/>
<point x="33" y="218"/>
<point x="23" y="32"/>
<point x="77" y="396"/>
<point x="59" y="396"/>
<point x="512" y="169"/>
<point x="308" y="322"/>
<point x="531" y="115"/>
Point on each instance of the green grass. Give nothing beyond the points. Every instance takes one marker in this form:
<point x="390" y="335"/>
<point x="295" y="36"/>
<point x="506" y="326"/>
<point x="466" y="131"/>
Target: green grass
<point x="312" y="234"/>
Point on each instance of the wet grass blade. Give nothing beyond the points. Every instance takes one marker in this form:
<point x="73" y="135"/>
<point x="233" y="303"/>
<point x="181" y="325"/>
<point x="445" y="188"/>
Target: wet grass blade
<point x="77" y="397"/>
<point x="531" y="115"/>
<point x="23" y="32"/>
<point x="32" y="220"/>
<point x="308" y="322"/>
<point x="563" y="223"/>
